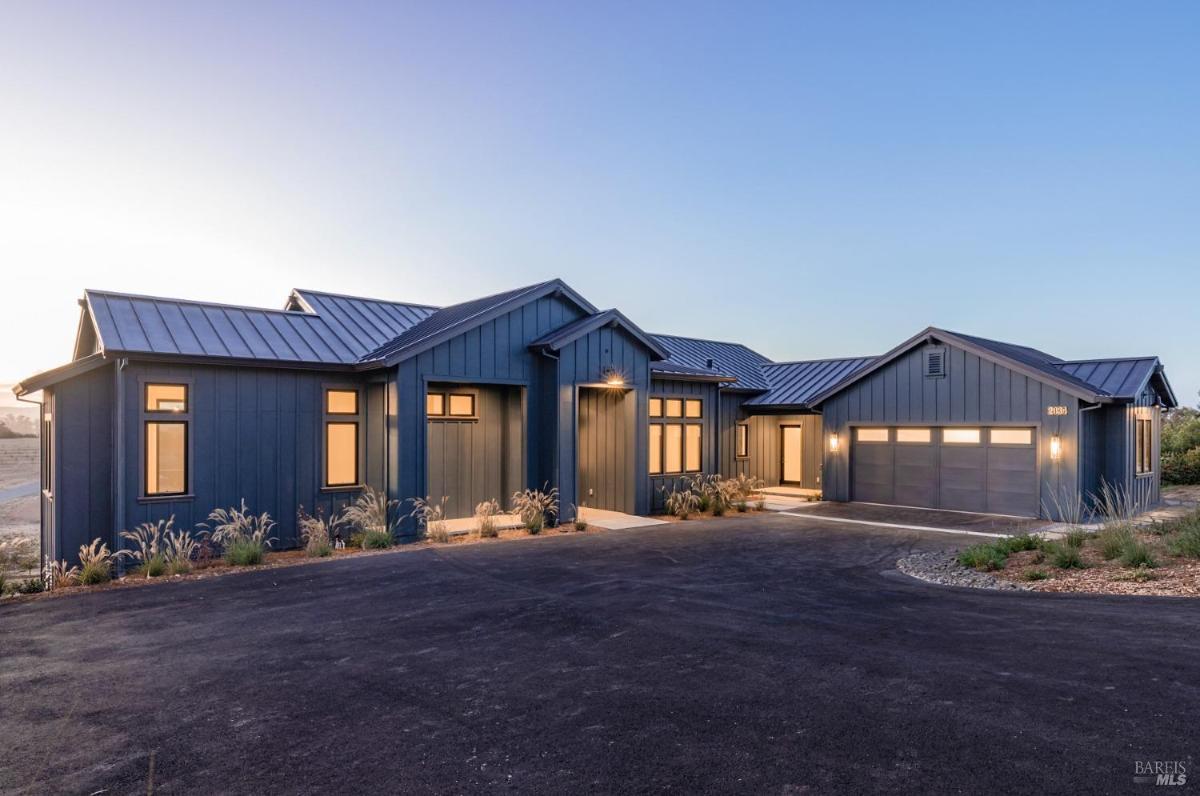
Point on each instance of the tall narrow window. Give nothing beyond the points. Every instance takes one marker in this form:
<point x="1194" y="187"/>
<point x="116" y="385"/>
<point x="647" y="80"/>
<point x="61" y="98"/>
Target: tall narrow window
<point x="742" y="446"/>
<point x="166" y="414"/>
<point x="48" y="451"/>
<point x="1144" y="445"/>
<point x="692" y="448"/>
<point x="656" y="449"/>
<point x="342" y="425"/>
<point x="673" y="447"/>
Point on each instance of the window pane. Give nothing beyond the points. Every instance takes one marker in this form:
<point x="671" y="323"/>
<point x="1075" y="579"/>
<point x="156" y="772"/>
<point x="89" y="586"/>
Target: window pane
<point x="743" y="440"/>
<point x="341" y="454"/>
<point x="166" y="397"/>
<point x="960" y="436"/>
<point x="674" y="407"/>
<point x="1011" y="436"/>
<point x="693" y="407"/>
<point x="693" y="448"/>
<point x="166" y="458"/>
<point x="341" y="402"/>
<point x="462" y="405"/>
<point x="871" y="435"/>
<point x="656" y="448"/>
<point x="435" y="404"/>
<point x="656" y="407"/>
<point x="673" y="448"/>
<point x="913" y="435"/>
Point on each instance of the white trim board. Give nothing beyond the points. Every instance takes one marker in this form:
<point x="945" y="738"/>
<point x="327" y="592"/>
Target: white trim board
<point x="894" y="526"/>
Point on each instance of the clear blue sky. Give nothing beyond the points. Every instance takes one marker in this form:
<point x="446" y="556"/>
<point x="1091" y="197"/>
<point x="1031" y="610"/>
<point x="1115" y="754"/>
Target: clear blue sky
<point x="812" y="179"/>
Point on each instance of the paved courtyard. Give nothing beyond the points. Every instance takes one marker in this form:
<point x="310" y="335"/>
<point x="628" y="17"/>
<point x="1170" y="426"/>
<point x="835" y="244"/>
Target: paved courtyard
<point x="768" y="653"/>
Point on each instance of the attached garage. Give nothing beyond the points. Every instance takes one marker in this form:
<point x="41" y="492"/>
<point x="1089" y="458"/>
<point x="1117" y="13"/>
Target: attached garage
<point x="990" y="469"/>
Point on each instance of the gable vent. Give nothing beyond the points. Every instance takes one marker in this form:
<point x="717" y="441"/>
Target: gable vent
<point x="709" y="363"/>
<point x="935" y="363"/>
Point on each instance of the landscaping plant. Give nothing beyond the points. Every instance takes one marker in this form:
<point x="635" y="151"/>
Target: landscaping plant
<point x="181" y="547"/>
<point x="95" y="563"/>
<point x="56" y="574"/>
<point x="375" y="516"/>
<point x="243" y="536"/>
<point x="1184" y="539"/>
<point x="579" y="522"/>
<point x="1137" y="554"/>
<point x="431" y="518"/>
<point x="682" y="503"/>
<point x="1064" y="556"/>
<point x="485" y="519"/>
<point x="535" y="506"/>
<point x="149" y="553"/>
<point x="1113" y="541"/>
<point x="314" y="533"/>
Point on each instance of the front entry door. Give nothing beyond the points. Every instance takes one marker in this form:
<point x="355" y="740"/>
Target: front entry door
<point x="791" y="455"/>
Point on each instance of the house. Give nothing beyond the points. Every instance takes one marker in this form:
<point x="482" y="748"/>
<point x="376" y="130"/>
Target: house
<point x="174" y="407"/>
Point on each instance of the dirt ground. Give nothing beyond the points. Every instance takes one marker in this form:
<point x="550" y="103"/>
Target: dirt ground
<point x="18" y="466"/>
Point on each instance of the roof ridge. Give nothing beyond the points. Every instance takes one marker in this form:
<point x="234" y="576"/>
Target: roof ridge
<point x="816" y="361"/>
<point x="705" y="340"/>
<point x="1101" y="359"/>
<point x="198" y="303"/>
<point x="365" y="298"/>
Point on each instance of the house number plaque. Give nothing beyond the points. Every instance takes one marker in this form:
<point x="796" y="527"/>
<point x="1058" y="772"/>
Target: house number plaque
<point x="1056" y="411"/>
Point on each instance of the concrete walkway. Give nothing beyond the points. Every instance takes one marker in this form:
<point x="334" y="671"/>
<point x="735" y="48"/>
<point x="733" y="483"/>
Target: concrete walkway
<point x="615" y="520"/>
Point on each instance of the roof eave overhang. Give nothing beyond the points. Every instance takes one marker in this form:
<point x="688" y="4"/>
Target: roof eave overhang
<point x="780" y="409"/>
<point x="611" y="318"/>
<point x="49" y="378"/>
<point x="667" y="375"/>
<point x="933" y="333"/>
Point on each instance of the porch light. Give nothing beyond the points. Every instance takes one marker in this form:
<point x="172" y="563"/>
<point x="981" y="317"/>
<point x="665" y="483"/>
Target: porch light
<point x="1055" y="447"/>
<point x="834" y="442"/>
<point x="614" y="377"/>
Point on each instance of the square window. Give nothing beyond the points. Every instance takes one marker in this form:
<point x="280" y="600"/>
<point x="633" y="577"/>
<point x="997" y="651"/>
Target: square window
<point x="960" y="436"/>
<point x="435" y="404"/>
<point x="462" y="405"/>
<point x="871" y="435"/>
<point x="674" y="407"/>
<point x="166" y="398"/>
<point x="692" y="407"/>
<point x="341" y="402"/>
<point x="656" y="407"/>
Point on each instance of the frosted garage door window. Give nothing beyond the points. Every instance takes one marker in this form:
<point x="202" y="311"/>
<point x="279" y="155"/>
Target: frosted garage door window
<point x="1011" y="436"/>
<point x="913" y="435"/>
<point x="960" y="436"/>
<point x="871" y="435"/>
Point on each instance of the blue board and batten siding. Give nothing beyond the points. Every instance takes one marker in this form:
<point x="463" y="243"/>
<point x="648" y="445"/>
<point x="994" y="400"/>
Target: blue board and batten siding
<point x="974" y="392"/>
<point x="710" y="459"/>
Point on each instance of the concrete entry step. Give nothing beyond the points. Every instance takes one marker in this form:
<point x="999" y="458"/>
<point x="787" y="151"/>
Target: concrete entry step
<point x="615" y="520"/>
<point x="927" y="518"/>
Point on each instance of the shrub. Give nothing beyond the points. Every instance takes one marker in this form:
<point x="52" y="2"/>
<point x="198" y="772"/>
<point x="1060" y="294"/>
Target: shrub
<point x="377" y="539"/>
<point x="29" y="586"/>
<point x="1075" y="538"/>
<point x="226" y="527"/>
<point x="1139" y="575"/>
<point x="95" y="563"/>
<point x="245" y="551"/>
<point x="534" y="507"/>
<point x="430" y="517"/>
<point x="314" y="532"/>
<point x="579" y="522"/>
<point x="1186" y="541"/>
<point x="682" y="503"/>
<point x="485" y="519"/>
<point x="181" y="547"/>
<point x="372" y="513"/>
<point x="56" y="574"/>
<point x="1035" y="574"/>
<point x="1113" y="541"/>
<point x="1115" y="504"/>
<point x="179" y="567"/>
<point x="18" y="551"/>
<point x="1017" y="544"/>
<point x="1064" y="556"/>
<point x="983" y="557"/>
<point x="3" y="584"/>
<point x="1181" y="468"/>
<point x="742" y="506"/>
<point x="1137" y="554"/>
<point x="149" y="553"/>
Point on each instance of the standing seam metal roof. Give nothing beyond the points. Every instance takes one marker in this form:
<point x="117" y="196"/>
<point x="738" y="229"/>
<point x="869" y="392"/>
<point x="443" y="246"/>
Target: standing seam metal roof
<point x="730" y="359"/>
<point x="1120" y="378"/>
<point x="794" y="383"/>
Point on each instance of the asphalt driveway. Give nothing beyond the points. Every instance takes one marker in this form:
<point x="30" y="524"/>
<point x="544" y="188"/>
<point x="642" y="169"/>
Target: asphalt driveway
<point x="757" y="654"/>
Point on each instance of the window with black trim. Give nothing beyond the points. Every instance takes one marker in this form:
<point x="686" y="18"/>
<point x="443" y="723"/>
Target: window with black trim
<point x="1144" y="446"/>
<point x="742" y="443"/>
<point x="461" y="405"/>
<point x="435" y="404"/>
<point x="343" y="424"/>
<point x="166" y="417"/>
<point x="675" y="446"/>
<point x="47" y="442"/>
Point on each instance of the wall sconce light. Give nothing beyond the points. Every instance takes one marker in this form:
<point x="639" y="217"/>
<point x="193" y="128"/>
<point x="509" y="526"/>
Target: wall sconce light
<point x="614" y="378"/>
<point x="1055" y="447"/>
<point x="834" y="442"/>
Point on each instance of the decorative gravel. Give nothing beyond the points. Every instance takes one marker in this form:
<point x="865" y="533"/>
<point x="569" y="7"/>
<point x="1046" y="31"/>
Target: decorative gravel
<point x="943" y="568"/>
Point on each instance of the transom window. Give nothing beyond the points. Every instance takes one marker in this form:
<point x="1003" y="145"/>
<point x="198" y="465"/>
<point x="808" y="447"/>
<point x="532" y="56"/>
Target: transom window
<point x="1010" y="436"/>
<point x="165" y="442"/>
<point x="455" y="405"/>
<point x="914" y="435"/>
<point x="675" y="447"/>
<point x="343" y="426"/>
<point x="960" y="436"/>
<point x="871" y="435"/>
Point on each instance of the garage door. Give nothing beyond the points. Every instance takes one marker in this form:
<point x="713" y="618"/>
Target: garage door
<point x="984" y="469"/>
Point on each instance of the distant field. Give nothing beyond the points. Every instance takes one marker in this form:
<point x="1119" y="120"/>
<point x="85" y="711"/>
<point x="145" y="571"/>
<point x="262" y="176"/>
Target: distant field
<point x="18" y="466"/>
